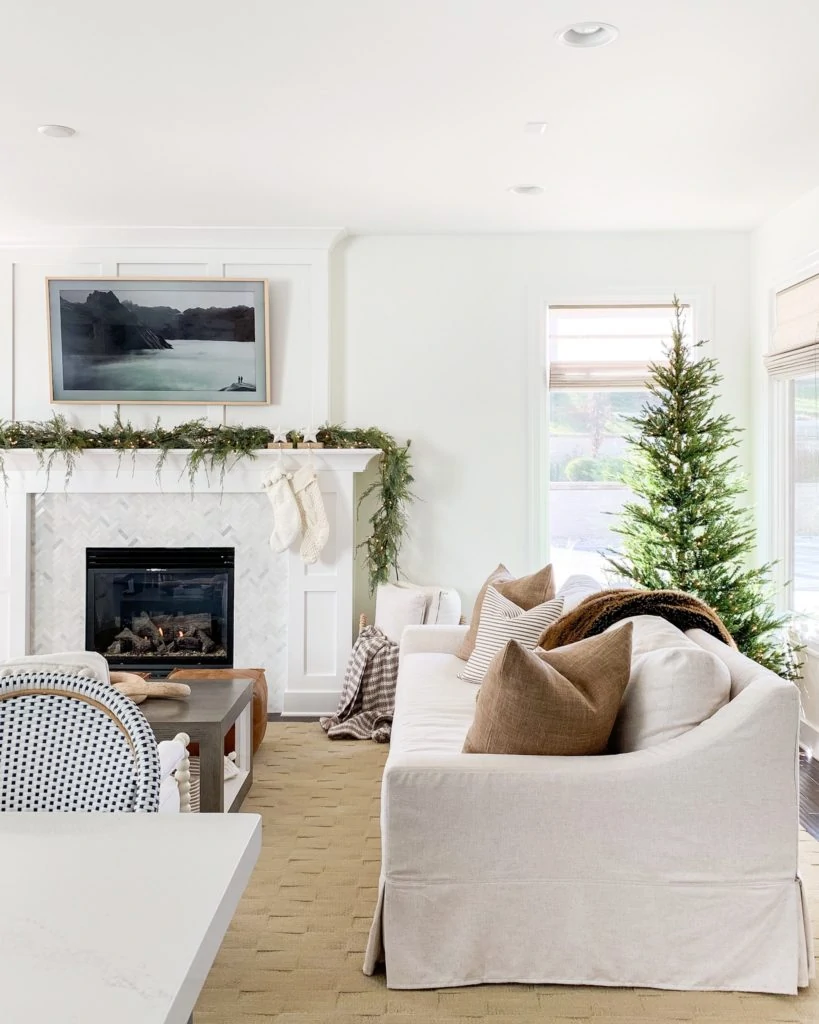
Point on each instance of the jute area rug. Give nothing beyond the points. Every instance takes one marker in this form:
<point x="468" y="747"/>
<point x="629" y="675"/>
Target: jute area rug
<point x="294" y="950"/>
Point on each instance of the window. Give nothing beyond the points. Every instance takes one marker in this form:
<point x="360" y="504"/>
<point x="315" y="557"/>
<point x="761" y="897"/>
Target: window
<point x="793" y="365"/>
<point x="598" y="358"/>
<point x="805" y="494"/>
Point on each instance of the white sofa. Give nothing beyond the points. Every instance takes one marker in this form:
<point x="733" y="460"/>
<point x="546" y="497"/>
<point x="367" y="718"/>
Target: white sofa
<point x="669" y="867"/>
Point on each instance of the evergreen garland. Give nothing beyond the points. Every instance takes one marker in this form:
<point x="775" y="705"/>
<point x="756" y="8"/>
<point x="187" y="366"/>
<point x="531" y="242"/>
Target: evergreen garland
<point x="685" y="531"/>
<point x="215" y="449"/>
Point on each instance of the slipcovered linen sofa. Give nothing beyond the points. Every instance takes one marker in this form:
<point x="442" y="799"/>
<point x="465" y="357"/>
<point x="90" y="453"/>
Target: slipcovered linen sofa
<point x="668" y="867"/>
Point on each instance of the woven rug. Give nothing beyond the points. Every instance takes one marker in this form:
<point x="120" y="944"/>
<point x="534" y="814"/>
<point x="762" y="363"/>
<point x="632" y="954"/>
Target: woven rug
<point x="293" y="953"/>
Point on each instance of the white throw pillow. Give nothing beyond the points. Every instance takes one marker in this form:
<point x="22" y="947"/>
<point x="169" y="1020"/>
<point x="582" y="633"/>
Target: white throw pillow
<point x="443" y="605"/>
<point x="575" y="589"/>
<point x="651" y="632"/>
<point x="670" y="691"/>
<point x="501" y="621"/>
<point x="398" y="607"/>
<point x="87" y="664"/>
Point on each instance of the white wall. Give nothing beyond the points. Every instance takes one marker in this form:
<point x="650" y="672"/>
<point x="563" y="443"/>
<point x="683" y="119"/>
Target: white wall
<point x="433" y="338"/>
<point x="436" y="339"/>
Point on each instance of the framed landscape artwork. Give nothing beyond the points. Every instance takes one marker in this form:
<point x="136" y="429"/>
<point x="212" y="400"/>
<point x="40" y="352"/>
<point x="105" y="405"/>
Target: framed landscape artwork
<point x="178" y="340"/>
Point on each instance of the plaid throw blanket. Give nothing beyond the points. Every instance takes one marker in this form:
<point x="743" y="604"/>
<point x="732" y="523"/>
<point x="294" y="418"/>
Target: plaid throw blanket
<point x="368" y="698"/>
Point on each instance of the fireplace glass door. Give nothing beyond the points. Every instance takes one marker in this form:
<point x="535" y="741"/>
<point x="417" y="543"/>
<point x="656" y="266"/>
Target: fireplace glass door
<point x="160" y="608"/>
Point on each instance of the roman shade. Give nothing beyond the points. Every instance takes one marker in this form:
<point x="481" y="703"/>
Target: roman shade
<point x="795" y="344"/>
<point x="605" y="346"/>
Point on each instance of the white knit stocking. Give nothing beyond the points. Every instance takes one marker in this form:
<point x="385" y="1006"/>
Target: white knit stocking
<point x="313" y="517"/>
<point x="286" y="515"/>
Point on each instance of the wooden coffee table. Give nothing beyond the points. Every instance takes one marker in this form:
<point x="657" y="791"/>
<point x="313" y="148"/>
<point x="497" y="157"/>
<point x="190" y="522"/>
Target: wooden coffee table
<point x="212" y="708"/>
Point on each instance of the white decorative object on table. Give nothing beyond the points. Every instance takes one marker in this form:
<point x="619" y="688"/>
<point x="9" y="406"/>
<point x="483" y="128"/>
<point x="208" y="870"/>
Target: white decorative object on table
<point x="182" y="772"/>
<point x="313" y="517"/>
<point x="310" y="435"/>
<point x="280" y="436"/>
<point x="287" y="519"/>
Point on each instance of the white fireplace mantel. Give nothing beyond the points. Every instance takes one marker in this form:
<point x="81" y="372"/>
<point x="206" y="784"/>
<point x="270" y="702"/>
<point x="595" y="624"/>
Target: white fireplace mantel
<point x="319" y="630"/>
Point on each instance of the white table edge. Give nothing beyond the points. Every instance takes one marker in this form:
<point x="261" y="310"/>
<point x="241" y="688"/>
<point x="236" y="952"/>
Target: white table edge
<point x="191" y="972"/>
<point x="183" y="1006"/>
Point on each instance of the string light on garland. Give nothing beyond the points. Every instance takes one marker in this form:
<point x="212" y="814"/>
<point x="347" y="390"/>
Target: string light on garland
<point x="211" y="449"/>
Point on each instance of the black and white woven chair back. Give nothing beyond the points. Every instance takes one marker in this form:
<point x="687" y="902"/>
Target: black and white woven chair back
<point x="68" y="743"/>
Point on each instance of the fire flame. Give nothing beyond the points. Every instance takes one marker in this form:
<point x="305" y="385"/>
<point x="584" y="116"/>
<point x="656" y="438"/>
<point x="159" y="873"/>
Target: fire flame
<point x="160" y="631"/>
<point x="180" y="633"/>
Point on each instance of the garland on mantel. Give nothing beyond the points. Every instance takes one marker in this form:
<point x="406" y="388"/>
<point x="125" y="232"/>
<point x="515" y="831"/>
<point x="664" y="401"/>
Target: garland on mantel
<point x="212" y="448"/>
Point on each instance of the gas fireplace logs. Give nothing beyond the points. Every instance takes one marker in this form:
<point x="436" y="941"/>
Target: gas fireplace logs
<point x="156" y="636"/>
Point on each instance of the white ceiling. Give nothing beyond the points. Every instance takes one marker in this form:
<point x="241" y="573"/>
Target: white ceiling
<point x="406" y="115"/>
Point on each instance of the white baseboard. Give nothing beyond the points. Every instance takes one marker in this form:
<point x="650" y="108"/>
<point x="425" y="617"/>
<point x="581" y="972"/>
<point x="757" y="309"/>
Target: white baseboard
<point x="310" y="702"/>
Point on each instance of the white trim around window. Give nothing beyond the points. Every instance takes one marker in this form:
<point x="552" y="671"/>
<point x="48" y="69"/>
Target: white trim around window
<point x="539" y="298"/>
<point x="781" y="512"/>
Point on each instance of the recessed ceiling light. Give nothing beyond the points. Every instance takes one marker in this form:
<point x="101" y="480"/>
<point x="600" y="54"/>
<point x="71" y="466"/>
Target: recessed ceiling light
<point x="57" y="131"/>
<point x="536" y="127"/>
<point x="525" y="190"/>
<point x="588" y="33"/>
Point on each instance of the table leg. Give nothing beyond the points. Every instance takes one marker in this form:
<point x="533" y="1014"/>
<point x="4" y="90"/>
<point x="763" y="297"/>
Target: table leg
<point x="244" y="739"/>
<point x="211" y="773"/>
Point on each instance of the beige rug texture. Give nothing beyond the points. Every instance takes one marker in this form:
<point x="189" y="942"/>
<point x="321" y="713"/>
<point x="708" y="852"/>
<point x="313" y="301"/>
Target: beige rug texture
<point x="293" y="953"/>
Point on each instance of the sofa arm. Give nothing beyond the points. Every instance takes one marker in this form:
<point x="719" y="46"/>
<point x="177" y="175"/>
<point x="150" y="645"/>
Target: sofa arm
<point x="718" y="802"/>
<point x="431" y="640"/>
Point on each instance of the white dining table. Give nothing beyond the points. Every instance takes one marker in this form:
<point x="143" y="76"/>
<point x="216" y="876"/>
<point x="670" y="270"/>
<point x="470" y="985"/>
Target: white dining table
<point x="116" y="918"/>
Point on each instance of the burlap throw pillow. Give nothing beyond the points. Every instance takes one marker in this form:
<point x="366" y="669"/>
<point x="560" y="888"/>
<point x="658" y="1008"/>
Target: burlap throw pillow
<point x="563" y="701"/>
<point x="526" y="592"/>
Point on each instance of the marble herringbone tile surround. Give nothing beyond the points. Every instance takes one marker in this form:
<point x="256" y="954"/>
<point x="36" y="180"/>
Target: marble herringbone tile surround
<point x="64" y="525"/>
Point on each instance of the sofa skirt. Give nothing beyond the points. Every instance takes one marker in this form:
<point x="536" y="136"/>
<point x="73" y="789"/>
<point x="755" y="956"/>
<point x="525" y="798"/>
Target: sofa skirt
<point x="737" y="936"/>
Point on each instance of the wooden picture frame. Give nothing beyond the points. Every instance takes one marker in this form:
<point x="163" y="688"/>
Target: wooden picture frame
<point x="119" y="340"/>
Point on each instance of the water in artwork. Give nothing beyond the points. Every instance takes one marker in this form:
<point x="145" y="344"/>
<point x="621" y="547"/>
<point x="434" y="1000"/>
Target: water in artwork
<point x="188" y="366"/>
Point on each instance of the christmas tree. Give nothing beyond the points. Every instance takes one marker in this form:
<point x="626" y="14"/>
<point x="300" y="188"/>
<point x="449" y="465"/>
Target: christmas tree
<point x="685" y="530"/>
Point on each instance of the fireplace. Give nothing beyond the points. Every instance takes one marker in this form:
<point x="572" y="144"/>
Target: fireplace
<point x="157" y="609"/>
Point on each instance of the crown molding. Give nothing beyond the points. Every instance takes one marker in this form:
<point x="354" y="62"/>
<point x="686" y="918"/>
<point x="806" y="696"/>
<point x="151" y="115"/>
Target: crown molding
<point x="323" y="239"/>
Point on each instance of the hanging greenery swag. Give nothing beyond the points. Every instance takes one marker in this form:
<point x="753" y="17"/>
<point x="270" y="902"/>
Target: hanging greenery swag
<point x="213" y="449"/>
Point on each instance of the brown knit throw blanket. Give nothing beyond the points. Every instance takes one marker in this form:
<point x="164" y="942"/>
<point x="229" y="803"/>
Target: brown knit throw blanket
<point x="597" y="612"/>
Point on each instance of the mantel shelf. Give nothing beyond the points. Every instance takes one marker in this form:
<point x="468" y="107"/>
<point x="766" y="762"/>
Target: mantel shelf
<point x="108" y="470"/>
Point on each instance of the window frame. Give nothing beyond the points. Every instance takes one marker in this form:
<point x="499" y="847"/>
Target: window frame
<point x="700" y="303"/>
<point x="781" y="504"/>
<point x="779" y="465"/>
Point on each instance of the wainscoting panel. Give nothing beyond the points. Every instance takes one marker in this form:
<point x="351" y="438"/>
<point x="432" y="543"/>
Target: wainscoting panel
<point x="320" y="624"/>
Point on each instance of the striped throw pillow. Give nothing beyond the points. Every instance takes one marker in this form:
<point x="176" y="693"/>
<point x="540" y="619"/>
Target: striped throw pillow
<point x="502" y="620"/>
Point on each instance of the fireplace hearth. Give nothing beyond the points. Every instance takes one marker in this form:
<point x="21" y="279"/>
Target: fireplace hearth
<point x="155" y="609"/>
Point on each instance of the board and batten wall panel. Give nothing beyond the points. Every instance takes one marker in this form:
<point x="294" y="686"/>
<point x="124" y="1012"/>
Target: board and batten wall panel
<point x="290" y="315"/>
<point x="30" y="337"/>
<point x="6" y="340"/>
<point x="297" y="273"/>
